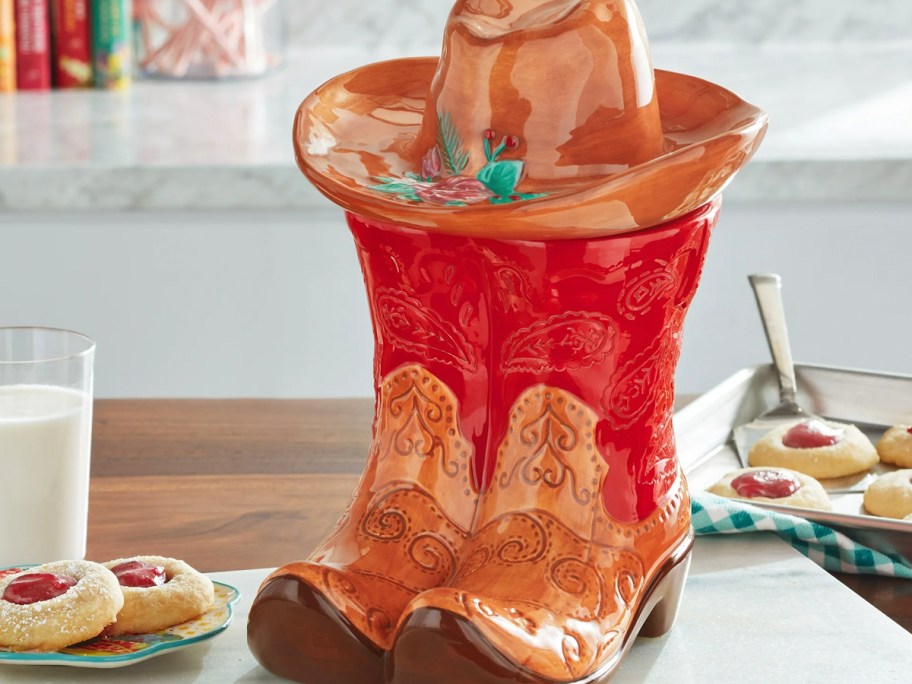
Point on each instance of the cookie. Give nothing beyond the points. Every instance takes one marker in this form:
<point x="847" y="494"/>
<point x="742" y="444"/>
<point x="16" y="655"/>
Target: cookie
<point x="56" y="605"/>
<point x="158" y="593"/>
<point x="895" y="447"/>
<point x="773" y="485"/>
<point x="821" y="449"/>
<point x="890" y="495"/>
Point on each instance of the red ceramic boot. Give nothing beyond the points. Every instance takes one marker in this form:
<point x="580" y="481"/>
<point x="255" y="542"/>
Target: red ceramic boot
<point x="583" y="532"/>
<point x="331" y="618"/>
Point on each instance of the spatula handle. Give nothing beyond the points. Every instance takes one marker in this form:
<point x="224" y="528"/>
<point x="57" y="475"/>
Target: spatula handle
<point x="768" y="290"/>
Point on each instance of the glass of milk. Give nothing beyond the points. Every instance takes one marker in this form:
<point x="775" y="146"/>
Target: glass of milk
<point x="45" y="442"/>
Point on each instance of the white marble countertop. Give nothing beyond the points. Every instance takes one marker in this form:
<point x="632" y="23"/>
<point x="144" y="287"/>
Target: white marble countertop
<point x="840" y="130"/>
<point x="754" y="612"/>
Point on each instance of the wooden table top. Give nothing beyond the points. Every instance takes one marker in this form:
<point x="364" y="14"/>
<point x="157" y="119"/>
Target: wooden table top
<point x="254" y="483"/>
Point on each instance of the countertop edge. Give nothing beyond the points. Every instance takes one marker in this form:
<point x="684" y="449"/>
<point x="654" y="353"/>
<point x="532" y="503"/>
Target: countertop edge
<point x="275" y="186"/>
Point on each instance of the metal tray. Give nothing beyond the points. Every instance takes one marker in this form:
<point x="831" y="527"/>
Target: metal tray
<point x="872" y="401"/>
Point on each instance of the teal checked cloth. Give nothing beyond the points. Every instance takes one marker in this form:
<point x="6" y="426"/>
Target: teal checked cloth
<point x="830" y="549"/>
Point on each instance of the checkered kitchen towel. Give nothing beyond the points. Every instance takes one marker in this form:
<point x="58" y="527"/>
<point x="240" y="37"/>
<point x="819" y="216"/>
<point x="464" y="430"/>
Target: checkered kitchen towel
<point x="830" y="549"/>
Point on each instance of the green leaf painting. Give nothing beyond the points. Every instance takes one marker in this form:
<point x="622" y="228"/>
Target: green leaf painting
<point x="496" y="182"/>
<point x="501" y="176"/>
<point x="395" y="186"/>
<point x="454" y="155"/>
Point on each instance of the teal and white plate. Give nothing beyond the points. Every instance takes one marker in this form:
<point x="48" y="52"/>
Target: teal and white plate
<point x="104" y="652"/>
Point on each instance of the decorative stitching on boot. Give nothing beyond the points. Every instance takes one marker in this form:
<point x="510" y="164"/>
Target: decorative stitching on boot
<point x="418" y="437"/>
<point x="550" y="442"/>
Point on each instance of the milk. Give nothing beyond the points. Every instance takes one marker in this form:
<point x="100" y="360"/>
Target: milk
<point x="44" y="473"/>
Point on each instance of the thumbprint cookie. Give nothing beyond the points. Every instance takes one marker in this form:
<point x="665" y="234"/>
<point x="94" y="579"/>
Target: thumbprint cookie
<point x="158" y="593"/>
<point x="58" y="604"/>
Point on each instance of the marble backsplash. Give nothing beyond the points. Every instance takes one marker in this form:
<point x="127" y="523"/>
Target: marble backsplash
<point x="417" y="24"/>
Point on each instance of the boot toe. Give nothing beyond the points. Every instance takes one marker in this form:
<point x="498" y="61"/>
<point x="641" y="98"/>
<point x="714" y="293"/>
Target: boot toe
<point x="489" y="641"/>
<point x="298" y="628"/>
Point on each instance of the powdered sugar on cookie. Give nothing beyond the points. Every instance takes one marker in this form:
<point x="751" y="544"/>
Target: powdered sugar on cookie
<point x="80" y="613"/>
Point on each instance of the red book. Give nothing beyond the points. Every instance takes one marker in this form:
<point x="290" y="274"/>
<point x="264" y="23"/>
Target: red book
<point x="72" y="49"/>
<point x="33" y="45"/>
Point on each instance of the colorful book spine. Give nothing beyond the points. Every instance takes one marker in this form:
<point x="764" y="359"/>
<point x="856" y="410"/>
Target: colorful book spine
<point x="33" y="45"/>
<point x="72" y="49"/>
<point x="112" y="40"/>
<point x="7" y="46"/>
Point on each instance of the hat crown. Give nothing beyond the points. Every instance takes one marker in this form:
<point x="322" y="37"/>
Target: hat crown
<point x="499" y="16"/>
<point x="562" y="89"/>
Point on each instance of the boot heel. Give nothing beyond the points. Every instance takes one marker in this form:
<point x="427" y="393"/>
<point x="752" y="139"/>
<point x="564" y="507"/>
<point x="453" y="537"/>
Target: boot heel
<point x="667" y="598"/>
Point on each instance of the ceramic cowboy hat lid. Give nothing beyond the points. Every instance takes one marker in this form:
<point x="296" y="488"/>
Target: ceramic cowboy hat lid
<point x="541" y="119"/>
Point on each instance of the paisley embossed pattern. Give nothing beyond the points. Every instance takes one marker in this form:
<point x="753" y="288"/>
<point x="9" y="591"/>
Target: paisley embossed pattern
<point x="571" y="340"/>
<point x="406" y="324"/>
<point x="646" y="289"/>
<point x="638" y="383"/>
<point x="512" y="287"/>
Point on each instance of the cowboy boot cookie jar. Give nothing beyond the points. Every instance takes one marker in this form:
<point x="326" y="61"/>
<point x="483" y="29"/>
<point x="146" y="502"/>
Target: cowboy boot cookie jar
<point x="531" y="211"/>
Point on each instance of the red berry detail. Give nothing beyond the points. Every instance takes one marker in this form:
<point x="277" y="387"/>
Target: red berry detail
<point x="515" y="198"/>
<point x="772" y="484"/>
<point x="139" y="574"/>
<point x="511" y="142"/>
<point x="909" y="430"/>
<point x="490" y="134"/>
<point x="39" y="586"/>
<point x="811" y="434"/>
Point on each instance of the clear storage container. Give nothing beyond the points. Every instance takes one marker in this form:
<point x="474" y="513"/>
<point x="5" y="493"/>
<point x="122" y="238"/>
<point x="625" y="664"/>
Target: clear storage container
<point x="209" y="38"/>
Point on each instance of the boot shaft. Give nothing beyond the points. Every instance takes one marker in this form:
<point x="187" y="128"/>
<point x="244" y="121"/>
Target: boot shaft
<point x="595" y="324"/>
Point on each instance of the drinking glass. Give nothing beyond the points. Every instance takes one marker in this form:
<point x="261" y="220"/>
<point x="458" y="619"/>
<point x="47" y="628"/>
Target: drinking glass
<point x="45" y="441"/>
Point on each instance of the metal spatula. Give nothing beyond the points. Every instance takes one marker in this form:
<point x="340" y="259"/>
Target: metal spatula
<point x="768" y="291"/>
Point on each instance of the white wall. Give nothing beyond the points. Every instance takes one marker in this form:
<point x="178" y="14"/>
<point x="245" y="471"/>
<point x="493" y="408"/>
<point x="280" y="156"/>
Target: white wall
<point x="206" y="304"/>
<point x="847" y="274"/>
<point x="271" y="304"/>
<point x="411" y="23"/>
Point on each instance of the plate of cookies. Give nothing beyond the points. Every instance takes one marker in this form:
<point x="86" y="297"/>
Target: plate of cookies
<point x="850" y="469"/>
<point x="105" y="615"/>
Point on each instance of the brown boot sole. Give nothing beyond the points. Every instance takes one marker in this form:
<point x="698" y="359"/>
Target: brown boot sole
<point x="436" y="646"/>
<point x="296" y="633"/>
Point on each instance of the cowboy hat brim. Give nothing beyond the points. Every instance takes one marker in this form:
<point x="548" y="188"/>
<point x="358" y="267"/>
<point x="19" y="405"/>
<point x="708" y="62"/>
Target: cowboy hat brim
<point x="361" y="126"/>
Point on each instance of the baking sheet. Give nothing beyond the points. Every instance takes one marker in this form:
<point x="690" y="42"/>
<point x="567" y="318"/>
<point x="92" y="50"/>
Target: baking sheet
<point x="872" y="401"/>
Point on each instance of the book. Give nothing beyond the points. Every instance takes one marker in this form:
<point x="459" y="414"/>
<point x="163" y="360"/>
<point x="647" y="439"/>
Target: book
<point x="33" y="45"/>
<point x="7" y="46"/>
<point x="112" y="40"/>
<point x="72" y="49"/>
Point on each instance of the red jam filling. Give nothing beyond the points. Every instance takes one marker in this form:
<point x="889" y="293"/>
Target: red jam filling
<point x="39" y="586"/>
<point x="139" y="574"/>
<point x="909" y="430"/>
<point x="811" y="434"/>
<point x="772" y="484"/>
